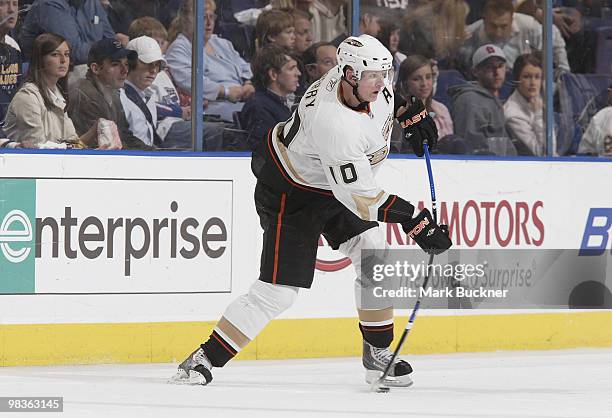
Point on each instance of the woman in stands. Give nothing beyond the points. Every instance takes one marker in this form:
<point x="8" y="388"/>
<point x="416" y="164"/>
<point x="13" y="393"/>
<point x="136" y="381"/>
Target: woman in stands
<point x="226" y="75"/>
<point x="36" y="117"/>
<point x="415" y="78"/>
<point x="524" y="108"/>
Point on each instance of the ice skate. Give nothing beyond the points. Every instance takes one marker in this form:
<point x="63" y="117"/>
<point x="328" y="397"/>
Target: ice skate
<point x="375" y="360"/>
<point x="194" y="370"/>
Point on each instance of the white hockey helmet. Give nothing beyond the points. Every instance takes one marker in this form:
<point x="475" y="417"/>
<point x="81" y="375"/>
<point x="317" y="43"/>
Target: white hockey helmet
<point x="364" y="53"/>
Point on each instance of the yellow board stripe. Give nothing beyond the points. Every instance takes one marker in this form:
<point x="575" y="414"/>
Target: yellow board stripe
<point x="159" y="342"/>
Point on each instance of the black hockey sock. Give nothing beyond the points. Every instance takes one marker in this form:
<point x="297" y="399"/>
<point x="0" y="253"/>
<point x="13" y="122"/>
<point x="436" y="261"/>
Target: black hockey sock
<point x="379" y="336"/>
<point x="218" y="350"/>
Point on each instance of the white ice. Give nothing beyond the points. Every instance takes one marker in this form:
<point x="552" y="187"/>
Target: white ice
<point x="567" y="383"/>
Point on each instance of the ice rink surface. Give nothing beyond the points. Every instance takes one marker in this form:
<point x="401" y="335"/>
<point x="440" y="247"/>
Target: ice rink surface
<point x="568" y="383"/>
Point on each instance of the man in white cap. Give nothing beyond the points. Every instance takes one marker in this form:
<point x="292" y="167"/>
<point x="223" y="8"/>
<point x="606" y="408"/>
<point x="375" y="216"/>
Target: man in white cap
<point x="173" y="124"/>
<point x="137" y="96"/>
<point x="477" y="111"/>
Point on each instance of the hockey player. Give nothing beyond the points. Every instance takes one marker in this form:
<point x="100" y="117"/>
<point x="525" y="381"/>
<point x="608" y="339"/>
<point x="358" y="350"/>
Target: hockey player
<point x="315" y="175"/>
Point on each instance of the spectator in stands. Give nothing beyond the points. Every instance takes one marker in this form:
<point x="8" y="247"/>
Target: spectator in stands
<point x="303" y="41"/>
<point x="567" y="19"/>
<point x="9" y="15"/>
<point x="37" y="116"/>
<point x="226" y="75"/>
<point x="580" y="44"/>
<point x="121" y="13"/>
<point x="303" y="31"/>
<point x="588" y="8"/>
<point x="275" y="75"/>
<point x="97" y="95"/>
<point x="174" y="120"/>
<point x="369" y="23"/>
<point x="415" y="78"/>
<point x="436" y="30"/>
<point x="369" y="20"/>
<point x="514" y="33"/>
<point x="328" y="21"/>
<point x="319" y="59"/>
<point x="136" y="95"/>
<point x="151" y="27"/>
<point x="476" y="109"/>
<point x="275" y="26"/>
<point x="11" y="71"/>
<point x="524" y="108"/>
<point x="389" y="36"/>
<point x="80" y="22"/>
<point x="597" y="139"/>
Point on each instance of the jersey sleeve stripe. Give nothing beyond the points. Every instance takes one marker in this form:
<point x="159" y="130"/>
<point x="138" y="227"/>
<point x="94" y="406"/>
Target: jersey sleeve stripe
<point x="396" y="210"/>
<point x="386" y="208"/>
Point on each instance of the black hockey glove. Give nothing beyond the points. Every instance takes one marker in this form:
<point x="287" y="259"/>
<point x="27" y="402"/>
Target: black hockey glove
<point x="418" y="126"/>
<point x="432" y="238"/>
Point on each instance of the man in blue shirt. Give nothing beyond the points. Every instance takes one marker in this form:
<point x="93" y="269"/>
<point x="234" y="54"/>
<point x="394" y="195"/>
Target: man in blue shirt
<point x="80" y="22"/>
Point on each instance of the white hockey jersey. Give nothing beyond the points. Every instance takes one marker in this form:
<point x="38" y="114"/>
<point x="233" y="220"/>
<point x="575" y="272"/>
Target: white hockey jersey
<point x="329" y="146"/>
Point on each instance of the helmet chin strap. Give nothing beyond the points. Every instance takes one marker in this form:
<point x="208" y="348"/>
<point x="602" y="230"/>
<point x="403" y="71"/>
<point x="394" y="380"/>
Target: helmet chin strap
<point x="363" y="105"/>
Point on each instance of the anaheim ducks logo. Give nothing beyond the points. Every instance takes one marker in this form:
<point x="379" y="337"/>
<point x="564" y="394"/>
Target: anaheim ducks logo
<point x="378" y="156"/>
<point x="354" y="42"/>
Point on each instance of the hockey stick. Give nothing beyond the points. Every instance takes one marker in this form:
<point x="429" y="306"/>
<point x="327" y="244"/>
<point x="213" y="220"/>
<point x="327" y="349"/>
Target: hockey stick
<point x="377" y="385"/>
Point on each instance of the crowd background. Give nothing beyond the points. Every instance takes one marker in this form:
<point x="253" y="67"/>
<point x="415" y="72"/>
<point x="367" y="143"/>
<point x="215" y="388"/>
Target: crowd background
<point x="117" y="74"/>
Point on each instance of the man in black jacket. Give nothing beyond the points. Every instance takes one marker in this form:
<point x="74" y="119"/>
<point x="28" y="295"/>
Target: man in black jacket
<point x="97" y="96"/>
<point x="275" y="76"/>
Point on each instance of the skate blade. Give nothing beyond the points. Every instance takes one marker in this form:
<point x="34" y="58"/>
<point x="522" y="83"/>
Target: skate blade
<point x="373" y="376"/>
<point x="192" y="379"/>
